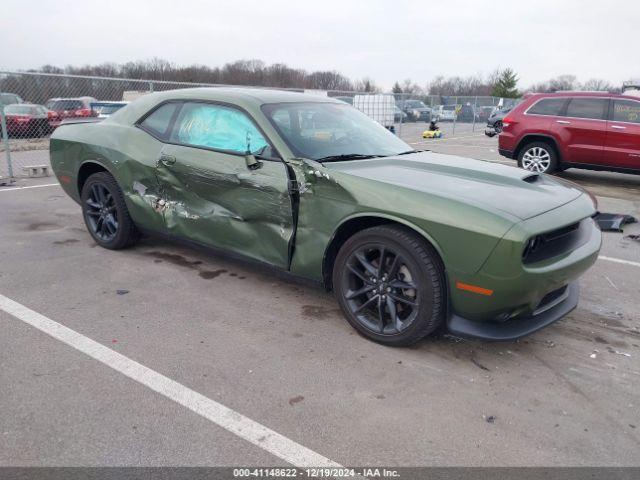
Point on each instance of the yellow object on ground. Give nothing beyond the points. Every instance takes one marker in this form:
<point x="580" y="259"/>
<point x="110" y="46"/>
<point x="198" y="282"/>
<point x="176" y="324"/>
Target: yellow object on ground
<point x="432" y="134"/>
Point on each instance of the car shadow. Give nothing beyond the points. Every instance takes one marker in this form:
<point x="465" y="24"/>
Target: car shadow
<point x="606" y="184"/>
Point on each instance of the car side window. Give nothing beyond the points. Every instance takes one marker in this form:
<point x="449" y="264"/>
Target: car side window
<point x="217" y="127"/>
<point x="593" y="108"/>
<point x="626" y="111"/>
<point x="548" y="106"/>
<point x="157" y="123"/>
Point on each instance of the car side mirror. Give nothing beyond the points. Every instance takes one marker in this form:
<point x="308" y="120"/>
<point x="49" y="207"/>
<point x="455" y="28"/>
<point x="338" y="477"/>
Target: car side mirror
<point x="252" y="162"/>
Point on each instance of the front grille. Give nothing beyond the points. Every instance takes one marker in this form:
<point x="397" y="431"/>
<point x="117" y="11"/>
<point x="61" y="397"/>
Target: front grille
<point x="556" y="242"/>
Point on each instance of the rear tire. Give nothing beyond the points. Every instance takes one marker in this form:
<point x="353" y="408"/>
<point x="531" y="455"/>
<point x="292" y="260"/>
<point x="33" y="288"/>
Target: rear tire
<point x="538" y="157"/>
<point x="105" y="212"/>
<point x="396" y="301"/>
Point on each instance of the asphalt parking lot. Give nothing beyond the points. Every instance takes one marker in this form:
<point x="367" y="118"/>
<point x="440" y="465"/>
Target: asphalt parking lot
<point x="297" y="379"/>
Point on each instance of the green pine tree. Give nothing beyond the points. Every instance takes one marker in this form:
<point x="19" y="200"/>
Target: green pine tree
<point x="506" y="84"/>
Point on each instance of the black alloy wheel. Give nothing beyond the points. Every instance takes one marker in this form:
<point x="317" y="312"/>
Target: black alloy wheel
<point x="389" y="283"/>
<point x="105" y="212"/>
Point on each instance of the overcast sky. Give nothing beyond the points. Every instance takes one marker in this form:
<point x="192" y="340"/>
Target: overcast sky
<point x="386" y="40"/>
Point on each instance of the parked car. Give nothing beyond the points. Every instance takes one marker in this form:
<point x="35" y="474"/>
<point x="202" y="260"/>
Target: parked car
<point x="408" y="241"/>
<point x="591" y="130"/>
<point x="466" y="114"/>
<point x="494" y="124"/>
<point x="9" y="99"/>
<point x="27" y="120"/>
<point x="104" y="109"/>
<point x="483" y="113"/>
<point x="398" y="115"/>
<point x="447" y="113"/>
<point x="416" y="110"/>
<point x="63" y="108"/>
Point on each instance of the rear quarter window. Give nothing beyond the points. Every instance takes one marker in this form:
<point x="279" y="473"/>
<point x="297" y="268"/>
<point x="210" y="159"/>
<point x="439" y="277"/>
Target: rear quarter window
<point x="157" y="122"/>
<point x="547" y="106"/>
<point x="626" y="111"/>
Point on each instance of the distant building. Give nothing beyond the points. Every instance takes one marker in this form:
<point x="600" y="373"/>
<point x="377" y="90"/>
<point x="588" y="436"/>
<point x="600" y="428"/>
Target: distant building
<point x="131" y="95"/>
<point x="631" y="88"/>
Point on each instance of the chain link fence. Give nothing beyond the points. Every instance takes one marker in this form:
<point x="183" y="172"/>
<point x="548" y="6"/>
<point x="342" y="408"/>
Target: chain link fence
<point x="33" y="105"/>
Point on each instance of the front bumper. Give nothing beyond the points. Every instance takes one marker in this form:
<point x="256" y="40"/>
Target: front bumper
<point x="517" y="327"/>
<point x="512" y="289"/>
<point x="506" y="153"/>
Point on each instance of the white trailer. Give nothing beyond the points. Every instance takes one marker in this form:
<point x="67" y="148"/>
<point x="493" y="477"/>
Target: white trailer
<point x="379" y="107"/>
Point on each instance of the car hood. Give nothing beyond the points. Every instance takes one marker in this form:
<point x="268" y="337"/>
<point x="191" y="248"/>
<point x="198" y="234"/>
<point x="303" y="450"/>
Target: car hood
<point x="517" y="192"/>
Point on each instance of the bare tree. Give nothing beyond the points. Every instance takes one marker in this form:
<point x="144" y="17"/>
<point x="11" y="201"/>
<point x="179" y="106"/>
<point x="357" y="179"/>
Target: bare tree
<point x="561" y="82"/>
<point x="365" y="85"/>
<point x="410" y="87"/>
<point x="460" y="86"/>
<point x="597" y="85"/>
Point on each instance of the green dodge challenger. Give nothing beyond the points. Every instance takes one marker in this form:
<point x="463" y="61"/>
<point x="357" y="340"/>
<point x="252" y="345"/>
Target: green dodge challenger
<point x="409" y="241"/>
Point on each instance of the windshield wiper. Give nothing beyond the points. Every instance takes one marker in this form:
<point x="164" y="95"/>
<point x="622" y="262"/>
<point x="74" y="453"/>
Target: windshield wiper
<point x="346" y="156"/>
<point x="408" y="152"/>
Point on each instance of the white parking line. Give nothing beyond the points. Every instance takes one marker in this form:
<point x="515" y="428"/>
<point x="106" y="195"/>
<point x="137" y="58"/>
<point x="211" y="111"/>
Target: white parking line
<point x="458" y="145"/>
<point x="447" y="139"/>
<point x="236" y="423"/>
<point x="619" y="260"/>
<point x="31" y="186"/>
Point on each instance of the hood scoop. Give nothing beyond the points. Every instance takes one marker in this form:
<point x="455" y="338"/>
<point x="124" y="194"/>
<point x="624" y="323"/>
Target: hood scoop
<point x="532" y="178"/>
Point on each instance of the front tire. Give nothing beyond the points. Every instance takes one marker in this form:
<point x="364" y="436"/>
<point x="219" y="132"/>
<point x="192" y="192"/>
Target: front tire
<point x="390" y="285"/>
<point x="538" y="157"/>
<point x="105" y="212"/>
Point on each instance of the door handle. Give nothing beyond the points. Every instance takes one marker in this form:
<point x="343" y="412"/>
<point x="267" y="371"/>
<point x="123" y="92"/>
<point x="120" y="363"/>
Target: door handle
<point x="167" y="159"/>
<point x="619" y="127"/>
<point x="563" y="122"/>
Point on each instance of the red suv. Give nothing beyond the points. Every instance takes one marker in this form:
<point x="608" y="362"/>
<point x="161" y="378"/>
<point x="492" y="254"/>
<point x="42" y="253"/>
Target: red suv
<point x="596" y="131"/>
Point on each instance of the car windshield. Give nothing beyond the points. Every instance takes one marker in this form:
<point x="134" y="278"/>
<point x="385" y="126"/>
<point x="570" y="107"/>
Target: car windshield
<point x="59" y="105"/>
<point x="20" y="110"/>
<point x="106" y="108"/>
<point x="448" y="107"/>
<point x="7" y="99"/>
<point x="415" y="104"/>
<point x="328" y="130"/>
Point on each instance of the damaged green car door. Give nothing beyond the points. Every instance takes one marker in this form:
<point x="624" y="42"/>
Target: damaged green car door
<point x="213" y="195"/>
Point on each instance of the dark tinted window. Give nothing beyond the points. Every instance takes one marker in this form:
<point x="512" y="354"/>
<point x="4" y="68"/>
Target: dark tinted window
<point x="547" y="106"/>
<point x="414" y="104"/>
<point x="626" y="111"/>
<point x="217" y="127"/>
<point x="158" y="122"/>
<point x="587" y="108"/>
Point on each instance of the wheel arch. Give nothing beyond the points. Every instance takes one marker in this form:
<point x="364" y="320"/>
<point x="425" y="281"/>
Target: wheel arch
<point x="356" y="223"/>
<point x="88" y="168"/>
<point x="538" y="137"/>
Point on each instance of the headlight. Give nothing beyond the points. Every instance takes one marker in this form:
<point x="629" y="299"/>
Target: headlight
<point x="530" y="247"/>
